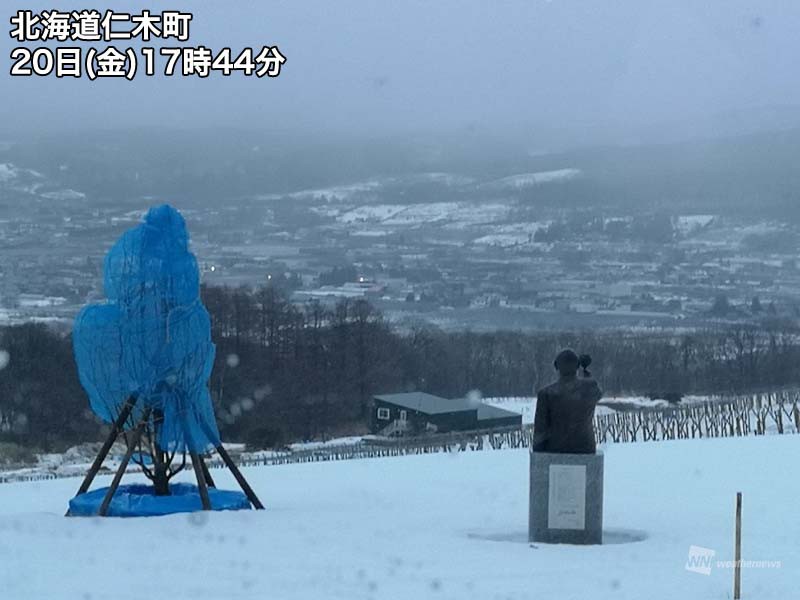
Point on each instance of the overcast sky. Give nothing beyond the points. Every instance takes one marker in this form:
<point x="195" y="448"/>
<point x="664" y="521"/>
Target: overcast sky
<point x="421" y="66"/>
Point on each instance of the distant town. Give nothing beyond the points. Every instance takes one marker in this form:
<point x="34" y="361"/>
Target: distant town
<point x="435" y="247"/>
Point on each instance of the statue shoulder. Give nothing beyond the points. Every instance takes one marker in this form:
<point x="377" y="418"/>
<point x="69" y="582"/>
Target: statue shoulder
<point x="549" y="390"/>
<point x="590" y="386"/>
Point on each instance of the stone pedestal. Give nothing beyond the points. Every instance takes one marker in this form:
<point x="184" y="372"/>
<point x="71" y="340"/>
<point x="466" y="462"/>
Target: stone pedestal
<point x="566" y="498"/>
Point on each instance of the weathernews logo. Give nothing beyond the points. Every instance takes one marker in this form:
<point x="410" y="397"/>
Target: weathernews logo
<point x="701" y="560"/>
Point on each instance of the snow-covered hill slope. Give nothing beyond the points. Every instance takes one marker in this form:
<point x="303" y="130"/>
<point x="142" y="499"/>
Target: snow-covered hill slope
<point x="526" y="405"/>
<point x="436" y="526"/>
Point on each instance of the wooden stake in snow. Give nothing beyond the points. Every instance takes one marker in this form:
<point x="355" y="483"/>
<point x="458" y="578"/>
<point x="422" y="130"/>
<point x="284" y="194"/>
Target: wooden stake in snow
<point x="737" y="567"/>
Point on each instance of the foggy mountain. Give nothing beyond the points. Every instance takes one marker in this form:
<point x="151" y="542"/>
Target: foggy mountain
<point x="208" y="167"/>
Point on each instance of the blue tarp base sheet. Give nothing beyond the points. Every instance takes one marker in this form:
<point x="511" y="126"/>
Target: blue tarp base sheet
<point x="139" y="500"/>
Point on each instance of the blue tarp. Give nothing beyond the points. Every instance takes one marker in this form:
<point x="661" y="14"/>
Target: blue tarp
<point x="139" y="500"/>
<point x="152" y="337"/>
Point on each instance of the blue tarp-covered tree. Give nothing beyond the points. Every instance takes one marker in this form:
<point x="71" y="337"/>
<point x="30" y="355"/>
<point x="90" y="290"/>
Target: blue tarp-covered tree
<point x="144" y="358"/>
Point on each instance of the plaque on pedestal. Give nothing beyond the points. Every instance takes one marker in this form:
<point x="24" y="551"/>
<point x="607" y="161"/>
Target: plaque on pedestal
<point x="566" y="498"/>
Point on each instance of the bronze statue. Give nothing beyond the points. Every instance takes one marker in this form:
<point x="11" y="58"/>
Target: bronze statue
<point x="565" y="409"/>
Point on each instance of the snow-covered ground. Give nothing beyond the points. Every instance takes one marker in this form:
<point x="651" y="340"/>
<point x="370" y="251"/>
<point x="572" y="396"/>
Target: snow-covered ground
<point x="432" y="526"/>
<point x="524" y="180"/>
<point x="526" y="406"/>
<point x="29" y="181"/>
<point x="686" y="224"/>
<point x="75" y="461"/>
<point x="452" y="215"/>
<point x="511" y="235"/>
<point x="342" y="441"/>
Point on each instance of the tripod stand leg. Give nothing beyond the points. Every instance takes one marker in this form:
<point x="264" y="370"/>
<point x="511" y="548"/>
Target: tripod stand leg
<point x="137" y="434"/>
<point x="116" y="428"/>
<point x="248" y="491"/>
<point x="197" y="463"/>
<point x="207" y="474"/>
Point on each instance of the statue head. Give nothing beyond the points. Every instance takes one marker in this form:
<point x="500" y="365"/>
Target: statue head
<point x="567" y="363"/>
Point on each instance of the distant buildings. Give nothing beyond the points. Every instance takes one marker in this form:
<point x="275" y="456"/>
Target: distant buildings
<point x="357" y="289"/>
<point x="422" y="251"/>
<point x="418" y="412"/>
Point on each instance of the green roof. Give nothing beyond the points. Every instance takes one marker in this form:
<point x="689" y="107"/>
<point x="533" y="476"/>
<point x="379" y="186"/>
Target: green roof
<point x="485" y="411"/>
<point x="427" y="403"/>
<point x="436" y="405"/>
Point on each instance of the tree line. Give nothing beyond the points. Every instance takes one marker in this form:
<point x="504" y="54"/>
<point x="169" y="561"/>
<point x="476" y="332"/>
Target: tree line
<point x="285" y="372"/>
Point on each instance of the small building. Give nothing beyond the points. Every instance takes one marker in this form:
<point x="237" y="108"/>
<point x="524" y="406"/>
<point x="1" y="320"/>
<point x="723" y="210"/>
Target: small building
<point x="491" y="417"/>
<point x="418" y="412"/>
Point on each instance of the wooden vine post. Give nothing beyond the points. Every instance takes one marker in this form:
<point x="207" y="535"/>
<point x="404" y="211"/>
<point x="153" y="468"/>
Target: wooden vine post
<point x="737" y="570"/>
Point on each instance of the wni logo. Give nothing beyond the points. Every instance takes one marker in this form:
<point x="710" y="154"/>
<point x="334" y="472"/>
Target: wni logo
<point x="700" y="560"/>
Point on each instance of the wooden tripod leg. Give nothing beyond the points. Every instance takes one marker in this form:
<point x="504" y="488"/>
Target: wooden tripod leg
<point x="197" y="463"/>
<point x="226" y="458"/>
<point x="116" y="428"/>
<point x="137" y="434"/>
<point x="207" y="474"/>
<point x="248" y="491"/>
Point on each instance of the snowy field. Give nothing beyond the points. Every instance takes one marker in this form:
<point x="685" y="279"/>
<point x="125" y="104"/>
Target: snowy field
<point x="526" y="405"/>
<point x="436" y="526"/>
